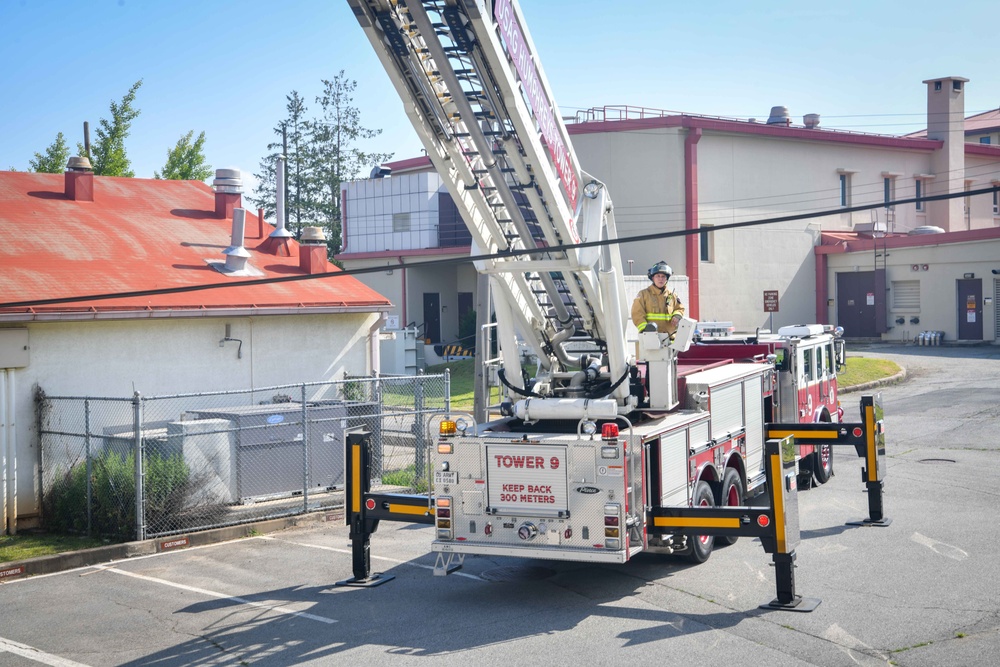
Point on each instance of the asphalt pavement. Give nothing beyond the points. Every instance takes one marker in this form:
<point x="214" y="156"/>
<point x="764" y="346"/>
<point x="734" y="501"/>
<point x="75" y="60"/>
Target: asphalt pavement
<point x="923" y="591"/>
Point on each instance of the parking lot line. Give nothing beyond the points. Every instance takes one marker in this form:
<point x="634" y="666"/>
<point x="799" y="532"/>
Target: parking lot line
<point x="222" y="596"/>
<point x="32" y="653"/>
<point x="373" y="557"/>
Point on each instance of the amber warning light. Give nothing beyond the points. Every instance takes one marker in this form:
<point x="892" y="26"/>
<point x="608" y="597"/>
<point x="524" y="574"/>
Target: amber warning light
<point x="447" y="427"/>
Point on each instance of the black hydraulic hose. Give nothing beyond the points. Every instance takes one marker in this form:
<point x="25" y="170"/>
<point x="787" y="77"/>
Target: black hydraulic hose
<point x="517" y="390"/>
<point x="612" y="388"/>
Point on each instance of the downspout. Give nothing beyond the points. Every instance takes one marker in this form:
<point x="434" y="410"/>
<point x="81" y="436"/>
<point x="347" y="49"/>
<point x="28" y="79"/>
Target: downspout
<point x="374" y="350"/>
<point x="691" y="239"/>
<point x="3" y="448"/>
<point x="822" y="312"/>
<point x="402" y="280"/>
<point x="9" y="441"/>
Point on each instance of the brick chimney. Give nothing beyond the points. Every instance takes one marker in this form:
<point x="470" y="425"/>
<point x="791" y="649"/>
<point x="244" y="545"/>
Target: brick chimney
<point x="79" y="179"/>
<point x="228" y="186"/>
<point x="312" y="251"/>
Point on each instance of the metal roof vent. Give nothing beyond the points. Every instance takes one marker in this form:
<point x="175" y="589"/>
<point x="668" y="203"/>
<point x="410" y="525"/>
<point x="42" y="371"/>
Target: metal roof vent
<point x="312" y="235"/>
<point x="925" y="229"/>
<point x="779" y="116"/>
<point x="236" y="254"/>
<point x="811" y="120"/>
<point x="79" y="164"/>
<point x="228" y="180"/>
<point x="279" y="201"/>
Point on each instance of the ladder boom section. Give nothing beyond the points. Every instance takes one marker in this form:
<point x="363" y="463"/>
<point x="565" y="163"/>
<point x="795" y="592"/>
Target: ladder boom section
<point x="478" y="98"/>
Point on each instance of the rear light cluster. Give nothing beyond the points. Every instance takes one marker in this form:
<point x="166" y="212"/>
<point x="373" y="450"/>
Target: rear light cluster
<point x="442" y="512"/>
<point x="612" y="526"/>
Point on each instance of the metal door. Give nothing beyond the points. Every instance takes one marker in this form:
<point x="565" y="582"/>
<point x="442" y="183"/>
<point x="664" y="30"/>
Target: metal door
<point x="861" y="303"/>
<point x="432" y="316"/>
<point x="970" y="309"/>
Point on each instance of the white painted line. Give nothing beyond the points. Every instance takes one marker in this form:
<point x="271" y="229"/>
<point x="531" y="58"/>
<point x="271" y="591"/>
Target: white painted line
<point x="221" y="596"/>
<point x="351" y="553"/>
<point x="938" y="547"/>
<point x="32" y="653"/>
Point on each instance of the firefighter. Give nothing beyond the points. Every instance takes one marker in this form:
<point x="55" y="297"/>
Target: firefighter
<point x="657" y="308"/>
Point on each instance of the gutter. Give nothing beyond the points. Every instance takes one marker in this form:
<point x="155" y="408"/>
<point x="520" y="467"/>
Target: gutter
<point x="166" y="313"/>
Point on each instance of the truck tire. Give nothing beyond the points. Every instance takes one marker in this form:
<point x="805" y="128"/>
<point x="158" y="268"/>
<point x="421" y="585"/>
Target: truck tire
<point x="822" y="464"/>
<point x="701" y="545"/>
<point x="731" y="495"/>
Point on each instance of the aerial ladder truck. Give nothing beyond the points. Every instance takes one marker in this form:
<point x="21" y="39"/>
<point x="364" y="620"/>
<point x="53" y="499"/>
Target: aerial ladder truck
<point x="600" y="453"/>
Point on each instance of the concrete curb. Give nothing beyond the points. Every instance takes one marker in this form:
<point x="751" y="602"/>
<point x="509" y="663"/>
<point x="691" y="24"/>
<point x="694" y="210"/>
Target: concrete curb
<point x="114" y="552"/>
<point x="893" y="379"/>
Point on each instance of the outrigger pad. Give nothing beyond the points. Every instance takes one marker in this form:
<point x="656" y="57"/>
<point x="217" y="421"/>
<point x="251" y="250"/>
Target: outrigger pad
<point x="374" y="580"/>
<point x="881" y="523"/>
<point x="798" y="603"/>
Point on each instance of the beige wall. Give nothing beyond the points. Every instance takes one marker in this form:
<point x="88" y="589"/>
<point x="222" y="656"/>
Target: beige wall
<point x="939" y="305"/>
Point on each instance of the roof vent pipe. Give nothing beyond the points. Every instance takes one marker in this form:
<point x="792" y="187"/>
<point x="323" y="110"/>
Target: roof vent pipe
<point x="279" y="202"/>
<point x="779" y="116"/>
<point x="811" y="120"/>
<point x="236" y="254"/>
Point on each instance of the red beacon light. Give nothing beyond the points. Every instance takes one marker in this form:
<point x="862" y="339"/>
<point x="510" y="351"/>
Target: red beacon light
<point x="609" y="432"/>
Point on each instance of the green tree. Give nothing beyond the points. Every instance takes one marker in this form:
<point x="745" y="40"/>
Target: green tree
<point x="55" y="158"/>
<point x="335" y="155"/>
<point x="108" y="153"/>
<point x="294" y="128"/>
<point x="186" y="160"/>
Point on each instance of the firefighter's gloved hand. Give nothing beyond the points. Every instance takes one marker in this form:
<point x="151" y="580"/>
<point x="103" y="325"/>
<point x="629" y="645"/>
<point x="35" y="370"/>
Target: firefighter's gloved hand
<point x="651" y="327"/>
<point x="676" y="318"/>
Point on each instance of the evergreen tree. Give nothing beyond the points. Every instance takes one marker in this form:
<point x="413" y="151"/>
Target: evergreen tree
<point x="186" y="160"/>
<point x="55" y="158"/>
<point x="335" y="155"/>
<point x="294" y="127"/>
<point x="108" y="154"/>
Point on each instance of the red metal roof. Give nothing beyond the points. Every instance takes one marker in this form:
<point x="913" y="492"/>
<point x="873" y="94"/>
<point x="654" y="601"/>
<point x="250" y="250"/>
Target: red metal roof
<point x="144" y="234"/>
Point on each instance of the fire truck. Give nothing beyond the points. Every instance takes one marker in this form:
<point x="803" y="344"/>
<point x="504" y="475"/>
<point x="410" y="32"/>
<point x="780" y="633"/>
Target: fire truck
<point x="599" y="447"/>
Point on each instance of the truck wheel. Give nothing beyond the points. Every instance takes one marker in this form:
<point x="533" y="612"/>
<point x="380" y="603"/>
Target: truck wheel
<point x="822" y="463"/>
<point x="731" y="496"/>
<point x="701" y="545"/>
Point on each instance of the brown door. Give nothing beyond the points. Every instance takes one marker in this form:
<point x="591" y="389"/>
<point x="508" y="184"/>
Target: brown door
<point x="861" y="303"/>
<point x="970" y="309"/>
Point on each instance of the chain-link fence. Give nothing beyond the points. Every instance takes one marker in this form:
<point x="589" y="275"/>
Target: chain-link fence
<point x="147" y="466"/>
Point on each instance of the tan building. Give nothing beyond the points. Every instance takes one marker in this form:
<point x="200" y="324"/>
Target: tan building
<point x="886" y="204"/>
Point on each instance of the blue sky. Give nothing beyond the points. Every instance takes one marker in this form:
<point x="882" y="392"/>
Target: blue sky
<point x="225" y="66"/>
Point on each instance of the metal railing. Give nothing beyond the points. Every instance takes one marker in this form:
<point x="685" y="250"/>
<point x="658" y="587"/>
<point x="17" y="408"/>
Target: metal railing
<point x="146" y="466"/>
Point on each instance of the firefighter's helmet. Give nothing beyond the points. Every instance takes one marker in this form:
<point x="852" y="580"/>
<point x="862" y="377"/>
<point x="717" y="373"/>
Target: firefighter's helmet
<point x="660" y="267"/>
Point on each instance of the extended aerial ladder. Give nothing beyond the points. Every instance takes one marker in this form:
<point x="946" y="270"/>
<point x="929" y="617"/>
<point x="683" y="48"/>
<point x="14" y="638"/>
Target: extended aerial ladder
<point x="480" y="103"/>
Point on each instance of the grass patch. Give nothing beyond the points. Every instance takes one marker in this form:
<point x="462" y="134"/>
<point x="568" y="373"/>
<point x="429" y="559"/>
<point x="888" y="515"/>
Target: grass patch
<point x="407" y="477"/>
<point x="463" y="381"/>
<point x="866" y="369"/>
<point x="32" y="545"/>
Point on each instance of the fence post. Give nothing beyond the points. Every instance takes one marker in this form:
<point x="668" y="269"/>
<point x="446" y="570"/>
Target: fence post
<point x="86" y="443"/>
<point x="418" y="426"/>
<point x="305" y="453"/>
<point x="140" y="517"/>
<point x="447" y="390"/>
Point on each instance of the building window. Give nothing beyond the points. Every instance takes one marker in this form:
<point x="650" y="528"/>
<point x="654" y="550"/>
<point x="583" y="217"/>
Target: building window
<point x="889" y="190"/>
<point x="705" y="239"/>
<point x="919" y="193"/>
<point x="845" y="190"/>
<point x="906" y="295"/>
<point x="400" y="222"/>
<point x="984" y="140"/>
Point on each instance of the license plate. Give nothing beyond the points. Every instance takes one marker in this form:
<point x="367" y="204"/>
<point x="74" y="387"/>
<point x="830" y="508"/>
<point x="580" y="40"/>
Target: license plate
<point x="441" y="477"/>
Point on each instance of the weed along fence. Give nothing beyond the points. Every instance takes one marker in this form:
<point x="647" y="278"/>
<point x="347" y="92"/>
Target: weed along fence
<point x="149" y="466"/>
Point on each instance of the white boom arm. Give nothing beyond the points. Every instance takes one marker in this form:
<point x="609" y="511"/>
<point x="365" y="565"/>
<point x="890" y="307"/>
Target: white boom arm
<point x="480" y="103"/>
